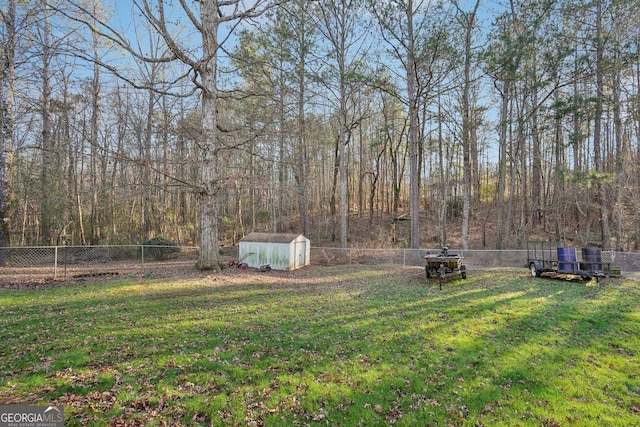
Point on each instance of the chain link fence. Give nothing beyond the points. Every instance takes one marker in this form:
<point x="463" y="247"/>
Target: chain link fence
<point x="38" y="263"/>
<point x="41" y="263"/>
<point x="474" y="258"/>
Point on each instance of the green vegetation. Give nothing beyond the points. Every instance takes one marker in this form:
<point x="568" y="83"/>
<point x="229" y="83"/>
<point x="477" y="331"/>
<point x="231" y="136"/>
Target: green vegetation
<point x="339" y="346"/>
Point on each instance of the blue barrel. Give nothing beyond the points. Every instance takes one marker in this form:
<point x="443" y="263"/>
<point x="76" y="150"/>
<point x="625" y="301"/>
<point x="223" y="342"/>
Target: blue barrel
<point x="591" y="259"/>
<point x="566" y="260"/>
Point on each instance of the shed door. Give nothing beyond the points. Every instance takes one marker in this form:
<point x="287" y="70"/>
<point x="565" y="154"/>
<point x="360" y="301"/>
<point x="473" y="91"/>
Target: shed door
<point x="301" y="248"/>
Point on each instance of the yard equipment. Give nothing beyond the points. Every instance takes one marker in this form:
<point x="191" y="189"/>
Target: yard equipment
<point x="264" y="268"/>
<point x="554" y="260"/>
<point x="237" y="263"/>
<point x="443" y="265"/>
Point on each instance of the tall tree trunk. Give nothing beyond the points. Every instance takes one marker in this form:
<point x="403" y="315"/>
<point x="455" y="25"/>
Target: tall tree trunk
<point x="252" y="188"/>
<point x="374" y="184"/>
<point x="166" y="197"/>
<point x="577" y="141"/>
<point x="597" y="131"/>
<point x="343" y="163"/>
<point x="536" y="166"/>
<point x="210" y="176"/>
<point x="468" y="22"/>
<point x="414" y="171"/>
<point x="474" y="153"/>
<point x="620" y="155"/>
<point x="48" y="149"/>
<point x="558" y="200"/>
<point x="301" y="177"/>
<point x="523" y="193"/>
<point x="502" y="164"/>
<point x="182" y="210"/>
<point x="7" y="83"/>
<point x="397" y="172"/>
<point x="95" y="220"/>
<point x="147" y="136"/>
<point x="362" y="173"/>
<point x="278" y="217"/>
<point x="442" y="196"/>
<point x="338" y="24"/>
<point x="334" y="189"/>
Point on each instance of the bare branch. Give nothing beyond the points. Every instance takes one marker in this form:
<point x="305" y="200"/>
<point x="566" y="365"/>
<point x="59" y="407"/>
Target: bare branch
<point x="160" y="25"/>
<point x="110" y="34"/>
<point x="191" y="16"/>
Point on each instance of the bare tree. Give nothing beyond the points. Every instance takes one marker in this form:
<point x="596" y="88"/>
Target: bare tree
<point x="467" y="21"/>
<point x="95" y="220"/>
<point x="48" y="148"/>
<point x="345" y="32"/>
<point x="597" y="128"/>
<point x="415" y="38"/>
<point x="401" y="28"/>
<point x="7" y="76"/>
<point x="297" y="22"/>
<point x="201" y="67"/>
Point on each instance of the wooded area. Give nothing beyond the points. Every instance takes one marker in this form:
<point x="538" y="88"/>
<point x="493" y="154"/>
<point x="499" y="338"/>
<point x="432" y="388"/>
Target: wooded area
<point x="483" y="124"/>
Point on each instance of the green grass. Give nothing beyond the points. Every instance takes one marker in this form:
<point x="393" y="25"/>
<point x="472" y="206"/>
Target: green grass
<point x="339" y="346"/>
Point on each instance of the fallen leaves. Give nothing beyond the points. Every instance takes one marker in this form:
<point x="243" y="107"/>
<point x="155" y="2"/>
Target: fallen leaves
<point x="336" y="347"/>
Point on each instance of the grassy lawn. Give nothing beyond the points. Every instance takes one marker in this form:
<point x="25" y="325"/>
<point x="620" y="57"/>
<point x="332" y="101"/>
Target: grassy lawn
<point x="339" y="346"/>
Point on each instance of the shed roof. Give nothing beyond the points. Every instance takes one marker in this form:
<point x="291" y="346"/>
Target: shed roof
<point x="270" y="237"/>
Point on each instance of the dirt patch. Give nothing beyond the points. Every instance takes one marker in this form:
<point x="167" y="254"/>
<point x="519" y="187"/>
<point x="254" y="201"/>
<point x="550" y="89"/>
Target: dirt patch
<point x="176" y="269"/>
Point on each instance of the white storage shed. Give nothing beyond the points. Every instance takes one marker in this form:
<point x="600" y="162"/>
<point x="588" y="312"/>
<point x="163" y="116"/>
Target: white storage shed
<point x="280" y="251"/>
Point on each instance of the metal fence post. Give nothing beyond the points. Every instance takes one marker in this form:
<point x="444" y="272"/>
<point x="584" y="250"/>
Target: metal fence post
<point x="142" y="257"/>
<point x="55" y="263"/>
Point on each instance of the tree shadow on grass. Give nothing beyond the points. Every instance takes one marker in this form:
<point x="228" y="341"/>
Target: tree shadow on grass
<point x="339" y="346"/>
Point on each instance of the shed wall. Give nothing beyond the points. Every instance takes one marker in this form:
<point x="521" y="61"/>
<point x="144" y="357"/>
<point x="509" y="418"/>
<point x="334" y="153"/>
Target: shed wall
<point x="294" y="253"/>
<point x="277" y="255"/>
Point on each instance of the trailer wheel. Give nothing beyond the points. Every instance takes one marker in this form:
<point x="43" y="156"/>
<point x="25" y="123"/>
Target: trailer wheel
<point x="586" y="278"/>
<point x="427" y="272"/>
<point x="534" y="270"/>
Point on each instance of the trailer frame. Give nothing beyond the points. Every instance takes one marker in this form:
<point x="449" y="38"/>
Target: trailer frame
<point x="542" y="258"/>
<point x="444" y="265"/>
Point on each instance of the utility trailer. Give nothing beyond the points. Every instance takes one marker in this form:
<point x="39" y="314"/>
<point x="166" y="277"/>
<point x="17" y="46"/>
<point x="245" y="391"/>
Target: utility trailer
<point x="443" y="265"/>
<point x="554" y="260"/>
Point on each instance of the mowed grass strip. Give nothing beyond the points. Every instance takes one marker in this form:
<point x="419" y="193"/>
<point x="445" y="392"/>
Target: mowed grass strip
<point x="339" y="346"/>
